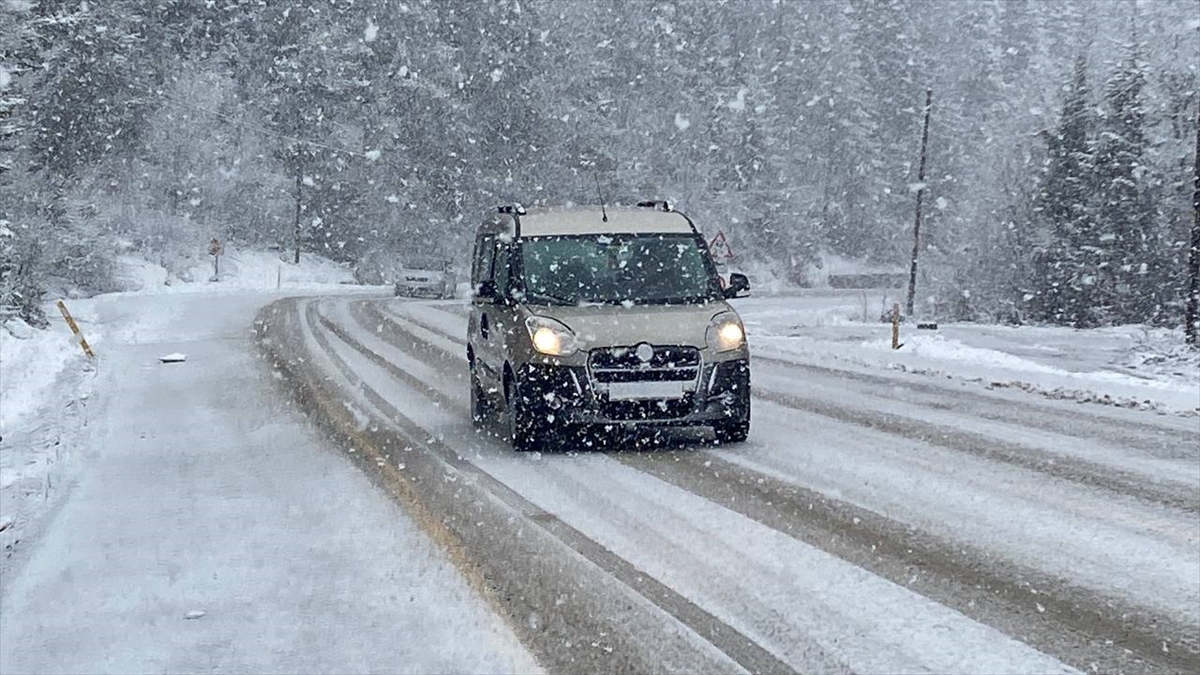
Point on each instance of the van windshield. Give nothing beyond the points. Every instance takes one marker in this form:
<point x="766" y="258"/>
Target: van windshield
<point x="644" y="269"/>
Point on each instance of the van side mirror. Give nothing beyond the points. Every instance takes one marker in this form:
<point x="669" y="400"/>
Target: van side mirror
<point x="739" y="286"/>
<point x="486" y="290"/>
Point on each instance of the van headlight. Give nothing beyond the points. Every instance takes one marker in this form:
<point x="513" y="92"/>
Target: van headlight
<point x="725" y="333"/>
<point x="551" y="337"/>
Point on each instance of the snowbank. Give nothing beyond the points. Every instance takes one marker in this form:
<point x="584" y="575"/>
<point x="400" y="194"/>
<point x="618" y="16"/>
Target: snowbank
<point x="42" y="371"/>
<point x="1129" y="366"/>
<point x="239" y="270"/>
<point x="30" y="361"/>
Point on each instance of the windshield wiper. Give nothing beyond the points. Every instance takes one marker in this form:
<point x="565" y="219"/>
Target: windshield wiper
<point x="550" y="298"/>
<point x="679" y="300"/>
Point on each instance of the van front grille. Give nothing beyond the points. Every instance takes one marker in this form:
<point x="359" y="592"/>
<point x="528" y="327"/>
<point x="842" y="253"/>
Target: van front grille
<point x="669" y="356"/>
<point x="666" y="364"/>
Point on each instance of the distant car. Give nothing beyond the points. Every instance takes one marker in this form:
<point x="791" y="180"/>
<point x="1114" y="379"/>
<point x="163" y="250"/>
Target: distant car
<point x="426" y="280"/>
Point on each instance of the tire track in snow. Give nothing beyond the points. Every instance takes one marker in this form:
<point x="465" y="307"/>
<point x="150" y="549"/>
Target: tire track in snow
<point x="1173" y="442"/>
<point x="1051" y="613"/>
<point x="422" y="351"/>
<point x="732" y="643"/>
<point x="1073" y="469"/>
<point x="1115" y="479"/>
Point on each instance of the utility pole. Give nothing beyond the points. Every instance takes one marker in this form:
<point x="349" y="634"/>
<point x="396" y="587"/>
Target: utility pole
<point x="299" y="184"/>
<point x="1192" y="315"/>
<point x="912" y="274"/>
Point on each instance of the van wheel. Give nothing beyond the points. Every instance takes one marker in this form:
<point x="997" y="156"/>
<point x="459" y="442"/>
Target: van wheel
<point x="480" y="405"/>
<point x="524" y="432"/>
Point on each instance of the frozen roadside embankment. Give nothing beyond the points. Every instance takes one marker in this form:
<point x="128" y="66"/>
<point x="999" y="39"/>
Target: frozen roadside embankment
<point x="44" y="387"/>
<point x="208" y="527"/>
<point x="46" y="381"/>
<point x="1125" y="366"/>
<point x="30" y="362"/>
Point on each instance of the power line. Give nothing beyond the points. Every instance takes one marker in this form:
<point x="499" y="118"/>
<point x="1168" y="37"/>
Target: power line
<point x="263" y="130"/>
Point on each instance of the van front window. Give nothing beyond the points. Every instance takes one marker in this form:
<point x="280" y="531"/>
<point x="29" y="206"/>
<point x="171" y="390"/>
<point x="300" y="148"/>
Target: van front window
<point x="643" y="269"/>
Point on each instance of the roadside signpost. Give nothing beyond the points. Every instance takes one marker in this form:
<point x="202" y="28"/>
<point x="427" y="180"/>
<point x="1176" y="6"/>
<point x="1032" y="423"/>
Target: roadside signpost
<point x="215" y="249"/>
<point x="719" y="247"/>
<point x="722" y="253"/>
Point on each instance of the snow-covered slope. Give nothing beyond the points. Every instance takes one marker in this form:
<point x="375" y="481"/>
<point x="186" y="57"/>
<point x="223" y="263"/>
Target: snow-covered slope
<point x="45" y="378"/>
<point x="205" y="525"/>
<point x="1132" y="366"/>
<point x="238" y="269"/>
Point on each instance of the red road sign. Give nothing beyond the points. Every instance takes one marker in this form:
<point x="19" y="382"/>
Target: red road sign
<point x="719" y="247"/>
<point x="214" y="246"/>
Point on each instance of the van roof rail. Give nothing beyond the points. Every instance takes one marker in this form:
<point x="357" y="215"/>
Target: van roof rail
<point x="516" y="211"/>
<point x="659" y="204"/>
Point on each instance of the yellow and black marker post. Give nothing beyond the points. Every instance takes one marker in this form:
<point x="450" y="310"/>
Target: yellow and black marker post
<point x="896" y="344"/>
<point x="87" y="349"/>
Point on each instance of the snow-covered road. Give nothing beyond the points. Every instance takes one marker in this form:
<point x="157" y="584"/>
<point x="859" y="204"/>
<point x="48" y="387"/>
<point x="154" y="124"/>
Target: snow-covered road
<point x="875" y="522"/>
<point x="211" y="529"/>
<point x="310" y="482"/>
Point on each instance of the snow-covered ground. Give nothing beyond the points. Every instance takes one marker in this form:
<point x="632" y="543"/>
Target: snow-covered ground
<point x="190" y="519"/>
<point x="238" y="269"/>
<point x="1076" y="514"/>
<point x="45" y="377"/>
<point x="135" y="494"/>
<point x="30" y="361"/>
<point x="1132" y="366"/>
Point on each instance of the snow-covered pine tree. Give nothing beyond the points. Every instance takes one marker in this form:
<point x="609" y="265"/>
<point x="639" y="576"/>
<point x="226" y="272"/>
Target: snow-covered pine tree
<point x="1127" y="279"/>
<point x="92" y="91"/>
<point x="1068" y="263"/>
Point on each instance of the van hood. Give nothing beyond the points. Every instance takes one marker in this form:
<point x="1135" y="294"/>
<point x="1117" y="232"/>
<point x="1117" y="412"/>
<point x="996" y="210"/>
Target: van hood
<point x="620" y="326"/>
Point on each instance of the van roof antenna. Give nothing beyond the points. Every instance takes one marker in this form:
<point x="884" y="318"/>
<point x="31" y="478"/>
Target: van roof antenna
<point x="603" y="211"/>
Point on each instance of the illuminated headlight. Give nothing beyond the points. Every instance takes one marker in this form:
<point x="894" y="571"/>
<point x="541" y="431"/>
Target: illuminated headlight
<point x="551" y="337"/>
<point x="725" y="333"/>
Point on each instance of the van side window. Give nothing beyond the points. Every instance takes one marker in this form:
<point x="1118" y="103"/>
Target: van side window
<point x="500" y="270"/>
<point x="481" y="268"/>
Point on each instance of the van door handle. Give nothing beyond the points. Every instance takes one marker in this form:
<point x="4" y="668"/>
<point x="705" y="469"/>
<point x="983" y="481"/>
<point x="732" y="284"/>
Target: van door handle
<point x="483" y="326"/>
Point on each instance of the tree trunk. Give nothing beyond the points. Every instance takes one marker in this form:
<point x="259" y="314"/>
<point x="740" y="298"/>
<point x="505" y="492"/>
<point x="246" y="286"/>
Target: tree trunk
<point x="296" y="223"/>
<point x="912" y="275"/>
<point x="1192" y="315"/>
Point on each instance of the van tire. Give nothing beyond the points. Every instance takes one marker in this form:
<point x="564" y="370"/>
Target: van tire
<point x="524" y="432"/>
<point x="480" y="405"/>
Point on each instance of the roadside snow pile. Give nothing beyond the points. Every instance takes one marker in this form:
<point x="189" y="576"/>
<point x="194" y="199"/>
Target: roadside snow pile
<point x="1169" y="361"/>
<point x="1128" y="366"/>
<point x="43" y="399"/>
<point x="264" y="270"/>
<point x="1087" y="366"/>
<point x="943" y="350"/>
<point x="30" y="361"/>
<point x="238" y="270"/>
<point x="136" y="274"/>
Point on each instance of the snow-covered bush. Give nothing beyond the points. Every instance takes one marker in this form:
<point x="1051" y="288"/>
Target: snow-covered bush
<point x="20" y="274"/>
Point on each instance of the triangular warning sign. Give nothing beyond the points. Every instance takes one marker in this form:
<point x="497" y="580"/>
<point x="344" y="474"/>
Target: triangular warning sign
<point x="719" y="247"/>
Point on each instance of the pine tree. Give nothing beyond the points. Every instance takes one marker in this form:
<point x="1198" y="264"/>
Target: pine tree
<point x="1126" y="227"/>
<point x="1176" y="189"/>
<point x="92" y="91"/>
<point x="1068" y="264"/>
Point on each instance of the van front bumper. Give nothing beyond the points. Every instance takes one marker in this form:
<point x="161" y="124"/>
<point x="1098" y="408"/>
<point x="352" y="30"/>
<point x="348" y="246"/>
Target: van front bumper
<point x="568" y="396"/>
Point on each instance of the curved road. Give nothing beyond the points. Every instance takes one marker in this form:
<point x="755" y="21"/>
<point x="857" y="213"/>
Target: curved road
<point x="871" y="523"/>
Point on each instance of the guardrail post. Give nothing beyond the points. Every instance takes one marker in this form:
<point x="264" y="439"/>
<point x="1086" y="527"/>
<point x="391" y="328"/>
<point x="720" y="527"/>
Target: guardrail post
<point x="896" y="326"/>
<point x="87" y="349"/>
